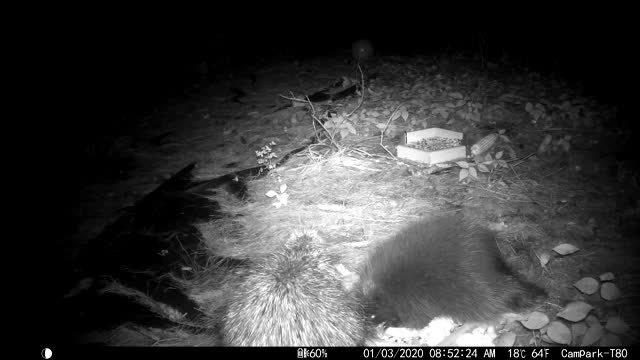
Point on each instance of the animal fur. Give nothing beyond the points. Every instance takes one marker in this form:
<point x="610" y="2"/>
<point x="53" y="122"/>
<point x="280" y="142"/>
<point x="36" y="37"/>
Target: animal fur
<point x="294" y="297"/>
<point x="447" y="266"/>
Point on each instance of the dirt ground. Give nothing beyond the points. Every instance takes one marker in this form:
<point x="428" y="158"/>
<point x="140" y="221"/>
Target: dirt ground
<point x="561" y="171"/>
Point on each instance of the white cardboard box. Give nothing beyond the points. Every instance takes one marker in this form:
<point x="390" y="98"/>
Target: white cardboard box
<point x="431" y="157"/>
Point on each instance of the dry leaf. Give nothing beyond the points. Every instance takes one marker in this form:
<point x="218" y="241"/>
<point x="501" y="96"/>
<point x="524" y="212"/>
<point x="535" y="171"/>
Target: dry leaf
<point x="607" y="277"/>
<point x="617" y="326"/>
<point x="609" y="291"/>
<point x="472" y="172"/>
<point x="579" y="329"/>
<point x="544" y="145"/>
<point x="587" y="285"/>
<point x="565" y="249"/>
<point x="592" y="320"/>
<point x="483" y="168"/>
<point x="544" y="258"/>
<point x="575" y="311"/>
<point x="536" y="320"/>
<point x="592" y="335"/>
<point x="559" y="333"/>
<point x="463" y="174"/>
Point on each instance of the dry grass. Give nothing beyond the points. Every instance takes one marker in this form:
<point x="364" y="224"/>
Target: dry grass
<point x="349" y="201"/>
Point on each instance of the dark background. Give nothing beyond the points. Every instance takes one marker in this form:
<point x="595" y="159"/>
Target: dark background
<point x="125" y="64"/>
<point x="114" y="66"/>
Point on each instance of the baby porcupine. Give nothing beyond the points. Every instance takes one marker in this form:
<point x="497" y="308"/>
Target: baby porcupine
<point x="294" y="297"/>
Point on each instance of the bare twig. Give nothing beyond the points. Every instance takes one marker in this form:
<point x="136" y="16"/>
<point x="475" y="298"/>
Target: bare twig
<point x="313" y="109"/>
<point x="361" y="92"/>
<point x="385" y="129"/>
<point x="514" y="171"/>
<point x="520" y="160"/>
<point x="315" y="131"/>
<point x="293" y="98"/>
<point x="315" y="119"/>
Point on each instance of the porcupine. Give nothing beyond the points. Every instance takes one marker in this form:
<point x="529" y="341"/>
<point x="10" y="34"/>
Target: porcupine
<point x="294" y="297"/>
<point x="446" y="266"/>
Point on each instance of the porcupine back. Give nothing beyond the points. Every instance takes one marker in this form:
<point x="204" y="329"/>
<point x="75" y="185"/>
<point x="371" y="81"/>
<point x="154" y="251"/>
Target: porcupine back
<point x="294" y="297"/>
<point x="446" y="266"/>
